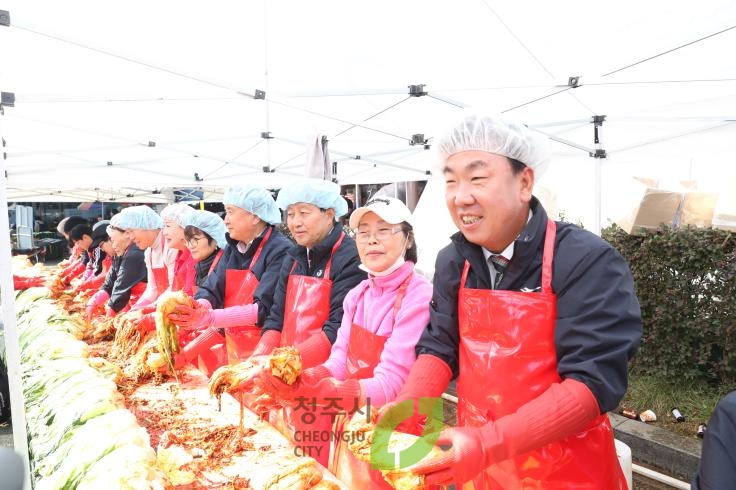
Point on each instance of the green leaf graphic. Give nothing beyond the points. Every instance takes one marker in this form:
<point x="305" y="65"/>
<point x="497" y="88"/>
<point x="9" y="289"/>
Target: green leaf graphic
<point x="382" y="458"/>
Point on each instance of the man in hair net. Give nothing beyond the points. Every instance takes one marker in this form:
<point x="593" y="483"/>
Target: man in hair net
<point x="536" y="319"/>
<point x="315" y="276"/>
<point x="144" y="227"/>
<point x="238" y="294"/>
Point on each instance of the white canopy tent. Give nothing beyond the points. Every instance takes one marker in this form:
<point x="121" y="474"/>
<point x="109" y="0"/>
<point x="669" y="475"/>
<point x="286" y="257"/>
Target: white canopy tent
<point x="118" y="101"/>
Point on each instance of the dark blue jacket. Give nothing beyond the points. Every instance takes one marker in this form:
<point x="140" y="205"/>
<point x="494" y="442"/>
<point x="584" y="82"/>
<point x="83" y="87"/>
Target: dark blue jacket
<point x="266" y="271"/>
<point x="598" y="327"/>
<point x="718" y="459"/>
<point x="344" y="274"/>
<point x="125" y="272"/>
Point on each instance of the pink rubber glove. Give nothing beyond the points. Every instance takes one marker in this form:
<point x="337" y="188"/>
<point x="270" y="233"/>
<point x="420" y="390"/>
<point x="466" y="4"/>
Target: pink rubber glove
<point x="563" y="410"/>
<point x="95" y="302"/>
<point x="187" y="317"/>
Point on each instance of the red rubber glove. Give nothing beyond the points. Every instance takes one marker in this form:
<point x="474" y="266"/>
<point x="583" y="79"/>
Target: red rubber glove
<point x="147" y="323"/>
<point x="206" y="340"/>
<point x="110" y="313"/>
<point x="27" y="282"/>
<point x="277" y="389"/>
<point x="315" y="350"/>
<point x="270" y="339"/>
<point x="428" y="378"/>
<point x="563" y="410"/>
<point x="321" y="392"/>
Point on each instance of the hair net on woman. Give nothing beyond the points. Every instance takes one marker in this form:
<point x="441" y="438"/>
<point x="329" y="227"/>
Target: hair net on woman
<point x="209" y="223"/>
<point x="489" y="132"/>
<point x="321" y="193"/>
<point x="254" y="199"/>
<point x="176" y="212"/>
<point x="137" y="218"/>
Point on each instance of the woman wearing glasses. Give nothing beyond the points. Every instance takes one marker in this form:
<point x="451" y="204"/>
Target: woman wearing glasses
<point x="383" y="319"/>
<point x="173" y="216"/>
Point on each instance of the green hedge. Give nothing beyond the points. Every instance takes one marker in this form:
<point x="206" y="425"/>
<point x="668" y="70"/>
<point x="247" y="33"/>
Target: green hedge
<point x="686" y="284"/>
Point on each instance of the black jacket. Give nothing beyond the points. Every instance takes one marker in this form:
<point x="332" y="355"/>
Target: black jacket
<point x="266" y="271"/>
<point x="125" y="272"/>
<point x="344" y="274"/>
<point x="598" y="327"/>
<point x="202" y="268"/>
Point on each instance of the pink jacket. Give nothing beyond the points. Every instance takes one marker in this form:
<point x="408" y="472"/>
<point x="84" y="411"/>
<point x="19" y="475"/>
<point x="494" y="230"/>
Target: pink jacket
<point x="375" y="313"/>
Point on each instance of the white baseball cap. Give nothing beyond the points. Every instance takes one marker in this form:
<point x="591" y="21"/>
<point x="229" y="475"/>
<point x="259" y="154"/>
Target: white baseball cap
<point x="389" y="209"/>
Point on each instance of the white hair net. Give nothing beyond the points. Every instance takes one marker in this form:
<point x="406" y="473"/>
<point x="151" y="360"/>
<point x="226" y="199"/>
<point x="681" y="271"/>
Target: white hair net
<point x="209" y="223"/>
<point x="253" y="199"/>
<point x="137" y="218"/>
<point x="322" y="193"/>
<point x="493" y="134"/>
<point x="176" y="212"/>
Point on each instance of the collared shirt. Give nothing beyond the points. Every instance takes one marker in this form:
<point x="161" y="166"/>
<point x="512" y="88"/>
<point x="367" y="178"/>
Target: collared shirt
<point x="243" y="247"/>
<point x="507" y="253"/>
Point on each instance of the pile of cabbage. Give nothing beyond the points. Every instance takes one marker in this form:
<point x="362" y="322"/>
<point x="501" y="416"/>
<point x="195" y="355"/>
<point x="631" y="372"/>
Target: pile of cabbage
<point x="80" y="435"/>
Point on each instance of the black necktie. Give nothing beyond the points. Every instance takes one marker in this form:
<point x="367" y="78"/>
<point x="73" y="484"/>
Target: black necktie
<point x="499" y="263"/>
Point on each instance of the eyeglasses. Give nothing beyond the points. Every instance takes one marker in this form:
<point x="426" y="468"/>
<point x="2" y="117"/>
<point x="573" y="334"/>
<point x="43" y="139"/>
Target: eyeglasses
<point x="194" y="241"/>
<point x="381" y="234"/>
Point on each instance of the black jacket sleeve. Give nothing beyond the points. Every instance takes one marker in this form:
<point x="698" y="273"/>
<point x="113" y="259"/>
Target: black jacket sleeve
<point x="441" y="338"/>
<point x="268" y="271"/>
<point x="598" y="327"/>
<point x="112" y="275"/>
<point x="718" y="459"/>
<point x="275" y="318"/>
<point x="132" y="271"/>
<point x="345" y="275"/>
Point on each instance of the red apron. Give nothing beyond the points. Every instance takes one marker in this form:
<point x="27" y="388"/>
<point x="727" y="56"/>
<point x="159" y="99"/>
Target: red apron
<point x="240" y="284"/>
<point x="508" y="358"/>
<point x="184" y="273"/>
<point x="186" y="336"/>
<point x="160" y="274"/>
<point x="364" y="354"/>
<point x="306" y="308"/>
<point x="136" y="292"/>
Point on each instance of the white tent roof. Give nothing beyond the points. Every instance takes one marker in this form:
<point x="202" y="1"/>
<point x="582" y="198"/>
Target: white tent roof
<point x="145" y="95"/>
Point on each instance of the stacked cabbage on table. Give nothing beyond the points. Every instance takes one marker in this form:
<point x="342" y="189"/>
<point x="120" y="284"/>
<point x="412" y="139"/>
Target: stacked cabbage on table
<point x="80" y="434"/>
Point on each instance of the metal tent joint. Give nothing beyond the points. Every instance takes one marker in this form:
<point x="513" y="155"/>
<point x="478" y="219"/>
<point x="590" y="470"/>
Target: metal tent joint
<point x="4" y="18"/>
<point x="7" y="99"/>
<point x="418" y="139"/>
<point x="599" y="153"/>
<point x="266" y="135"/>
<point x="417" y="90"/>
<point x="574" y="81"/>
<point x="260" y="95"/>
